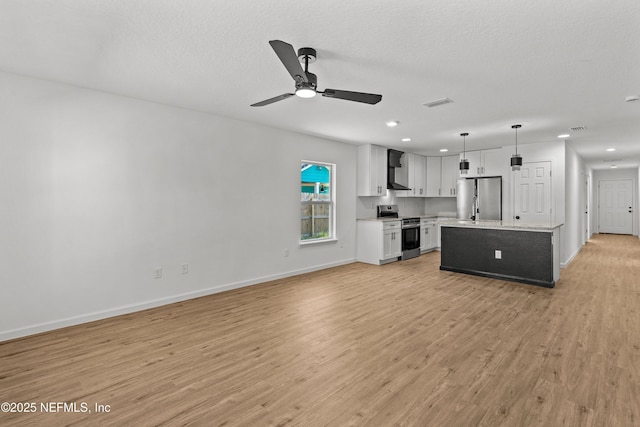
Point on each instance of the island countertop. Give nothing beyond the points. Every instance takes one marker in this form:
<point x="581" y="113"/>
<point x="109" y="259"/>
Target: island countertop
<point x="502" y="225"/>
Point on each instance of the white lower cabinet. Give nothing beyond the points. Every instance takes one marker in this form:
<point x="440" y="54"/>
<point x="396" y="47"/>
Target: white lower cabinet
<point x="428" y="235"/>
<point x="379" y="242"/>
<point x="392" y="244"/>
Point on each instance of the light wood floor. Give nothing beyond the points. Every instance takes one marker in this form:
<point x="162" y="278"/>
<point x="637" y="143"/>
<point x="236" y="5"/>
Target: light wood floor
<point x="400" y="344"/>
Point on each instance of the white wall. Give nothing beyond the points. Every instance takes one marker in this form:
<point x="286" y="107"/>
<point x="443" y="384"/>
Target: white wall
<point x="573" y="233"/>
<point x="98" y="190"/>
<point x="607" y="174"/>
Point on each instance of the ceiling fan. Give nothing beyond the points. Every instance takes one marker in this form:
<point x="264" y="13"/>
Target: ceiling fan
<point x="306" y="82"/>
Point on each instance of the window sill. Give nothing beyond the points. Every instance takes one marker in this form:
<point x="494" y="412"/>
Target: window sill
<point x="317" y="241"/>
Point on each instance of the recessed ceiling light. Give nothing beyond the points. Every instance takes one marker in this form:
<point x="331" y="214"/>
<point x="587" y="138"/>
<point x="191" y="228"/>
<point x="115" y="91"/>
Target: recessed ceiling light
<point x="443" y="150"/>
<point x="611" y="149"/>
<point x="406" y="139"/>
<point x="613" y="166"/>
<point x="392" y="123"/>
<point x="564" y="135"/>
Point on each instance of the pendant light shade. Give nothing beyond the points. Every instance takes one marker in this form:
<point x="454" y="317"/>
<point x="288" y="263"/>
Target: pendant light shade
<point x="516" y="159"/>
<point x="464" y="163"/>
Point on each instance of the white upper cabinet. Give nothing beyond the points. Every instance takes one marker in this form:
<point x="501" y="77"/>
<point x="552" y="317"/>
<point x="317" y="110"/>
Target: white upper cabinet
<point x="442" y="176"/>
<point x="485" y="163"/>
<point x="450" y="175"/>
<point x="434" y="176"/>
<point x="372" y="170"/>
<point x="416" y="170"/>
<point x="495" y="162"/>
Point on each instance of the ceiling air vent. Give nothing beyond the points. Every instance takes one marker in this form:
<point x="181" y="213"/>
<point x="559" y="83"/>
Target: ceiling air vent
<point x="438" y="102"/>
<point x="578" y="129"/>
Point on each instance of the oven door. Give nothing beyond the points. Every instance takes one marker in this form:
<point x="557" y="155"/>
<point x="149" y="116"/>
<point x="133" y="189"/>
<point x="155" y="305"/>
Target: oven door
<point x="410" y="238"/>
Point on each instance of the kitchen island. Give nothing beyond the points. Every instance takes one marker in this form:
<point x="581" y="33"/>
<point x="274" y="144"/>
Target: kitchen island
<point x="508" y="250"/>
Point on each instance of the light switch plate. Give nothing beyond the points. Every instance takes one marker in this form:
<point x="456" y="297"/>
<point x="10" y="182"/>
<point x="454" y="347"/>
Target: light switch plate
<point x="498" y="254"/>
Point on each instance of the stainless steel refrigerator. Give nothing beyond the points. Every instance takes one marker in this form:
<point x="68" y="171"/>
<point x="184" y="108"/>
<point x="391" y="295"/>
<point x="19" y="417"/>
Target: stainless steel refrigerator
<point x="480" y="198"/>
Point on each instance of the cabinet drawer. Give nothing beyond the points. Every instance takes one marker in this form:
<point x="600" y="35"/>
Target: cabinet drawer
<point x="389" y="225"/>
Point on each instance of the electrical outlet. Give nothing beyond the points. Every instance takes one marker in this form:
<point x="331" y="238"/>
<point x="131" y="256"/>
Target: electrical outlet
<point x="157" y="273"/>
<point x="498" y="254"/>
<point x="286" y="252"/>
<point x="185" y="268"/>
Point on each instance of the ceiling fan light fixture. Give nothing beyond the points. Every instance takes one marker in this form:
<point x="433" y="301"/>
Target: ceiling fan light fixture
<point x="305" y="92"/>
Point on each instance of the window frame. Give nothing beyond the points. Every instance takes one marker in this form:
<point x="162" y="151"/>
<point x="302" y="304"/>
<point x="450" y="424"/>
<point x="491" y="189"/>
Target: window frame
<point x="331" y="202"/>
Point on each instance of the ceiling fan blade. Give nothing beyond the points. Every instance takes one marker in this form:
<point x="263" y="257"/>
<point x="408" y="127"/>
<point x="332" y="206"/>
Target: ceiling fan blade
<point x="290" y="60"/>
<point x="367" y="98"/>
<point x="272" y="100"/>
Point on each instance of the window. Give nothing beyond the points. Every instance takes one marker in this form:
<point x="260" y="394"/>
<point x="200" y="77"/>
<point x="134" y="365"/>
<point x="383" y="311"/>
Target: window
<point x="317" y="209"/>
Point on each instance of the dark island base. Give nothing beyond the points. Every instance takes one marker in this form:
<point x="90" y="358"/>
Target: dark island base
<point x="541" y="283"/>
<point x="526" y="256"/>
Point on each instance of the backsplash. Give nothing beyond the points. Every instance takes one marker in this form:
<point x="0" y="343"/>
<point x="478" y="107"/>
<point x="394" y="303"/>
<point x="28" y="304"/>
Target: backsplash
<point x="407" y="206"/>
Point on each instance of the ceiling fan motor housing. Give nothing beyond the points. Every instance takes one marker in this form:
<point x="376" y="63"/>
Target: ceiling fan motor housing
<point x="307" y="53"/>
<point x="311" y="84"/>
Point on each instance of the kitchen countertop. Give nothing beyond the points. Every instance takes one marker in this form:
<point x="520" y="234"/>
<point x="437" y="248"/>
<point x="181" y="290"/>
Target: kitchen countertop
<point x="503" y="225"/>
<point x="426" y="216"/>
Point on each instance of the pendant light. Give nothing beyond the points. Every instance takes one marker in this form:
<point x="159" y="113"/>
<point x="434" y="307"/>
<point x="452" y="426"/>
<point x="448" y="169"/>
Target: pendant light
<point x="516" y="159"/>
<point x="464" y="163"/>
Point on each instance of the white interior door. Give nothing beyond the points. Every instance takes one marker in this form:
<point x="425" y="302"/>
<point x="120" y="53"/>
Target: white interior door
<point x="586" y="209"/>
<point x="532" y="193"/>
<point x="615" y="213"/>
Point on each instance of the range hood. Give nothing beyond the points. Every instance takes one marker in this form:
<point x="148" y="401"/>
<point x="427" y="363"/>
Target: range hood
<point x="394" y="163"/>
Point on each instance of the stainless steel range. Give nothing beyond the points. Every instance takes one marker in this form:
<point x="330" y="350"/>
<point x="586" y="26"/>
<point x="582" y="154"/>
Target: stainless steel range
<point x="410" y="230"/>
<point x="410" y="238"/>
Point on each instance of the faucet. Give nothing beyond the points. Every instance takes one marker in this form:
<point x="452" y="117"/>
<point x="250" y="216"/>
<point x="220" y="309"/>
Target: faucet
<point x="474" y="208"/>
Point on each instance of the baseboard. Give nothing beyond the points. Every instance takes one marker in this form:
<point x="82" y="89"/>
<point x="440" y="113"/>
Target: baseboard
<point x="117" y="311"/>
<point x="566" y="264"/>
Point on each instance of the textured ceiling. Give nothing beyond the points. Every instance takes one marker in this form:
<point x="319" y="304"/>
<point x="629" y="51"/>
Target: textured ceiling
<point x="549" y="65"/>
